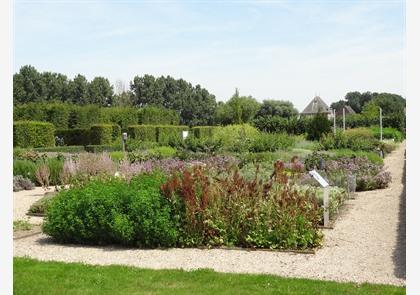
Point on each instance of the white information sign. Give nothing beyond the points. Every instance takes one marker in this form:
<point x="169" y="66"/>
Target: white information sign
<point x="184" y="134"/>
<point x="318" y="178"/>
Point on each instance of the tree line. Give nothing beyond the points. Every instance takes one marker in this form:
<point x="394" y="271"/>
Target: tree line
<point x="194" y="104"/>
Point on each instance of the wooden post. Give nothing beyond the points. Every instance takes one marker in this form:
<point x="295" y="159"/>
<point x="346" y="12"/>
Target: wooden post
<point x="326" y="211"/>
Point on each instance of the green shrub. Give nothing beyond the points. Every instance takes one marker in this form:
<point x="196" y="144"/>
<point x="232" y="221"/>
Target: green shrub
<point x="202" y="132"/>
<point x="167" y="134"/>
<point x="164" y="151"/>
<point x="236" y="138"/>
<point x="117" y="155"/>
<point x="143" y="132"/>
<point x="101" y="134"/>
<point x="317" y="127"/>
<point x="113" y="212"/>
<point x="202" y="145"/>
<point x="26" y="168"/>
<point x="361" y="139"/>
<point x="357" y="139"/>
<point x="388" y="133"/>
<point x="270" y="142"/>
<point x="33" y="134"/>
<point x="136" y="144"/>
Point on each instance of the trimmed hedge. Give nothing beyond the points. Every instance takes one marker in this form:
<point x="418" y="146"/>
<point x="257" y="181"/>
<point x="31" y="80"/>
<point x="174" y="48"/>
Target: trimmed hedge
<point x="77" y="136"/>
<point x="143" y="132"/>
<point x="33" y="134"/>
<point x="62" y="149"/>
<point x="153" y="115"/>
<point x="170" y="134"/>
<point x="102" y="148"/>
<point x="68" y="116"/>
<point x="101" y="134"/>
<point x="203" y="132"/>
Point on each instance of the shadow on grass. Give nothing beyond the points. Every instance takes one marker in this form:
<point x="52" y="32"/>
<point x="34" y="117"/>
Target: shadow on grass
<point x="399" y="255"/>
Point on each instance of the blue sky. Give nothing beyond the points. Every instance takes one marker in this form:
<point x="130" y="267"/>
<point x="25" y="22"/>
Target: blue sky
<point x="286" y="50"/>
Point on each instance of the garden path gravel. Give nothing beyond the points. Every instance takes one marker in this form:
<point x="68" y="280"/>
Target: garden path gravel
<point x="367" y="244"/>
<point x="23" y="200"/>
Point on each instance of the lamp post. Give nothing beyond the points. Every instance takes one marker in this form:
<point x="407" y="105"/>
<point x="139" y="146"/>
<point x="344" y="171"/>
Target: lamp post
<point x="124" y="139"/>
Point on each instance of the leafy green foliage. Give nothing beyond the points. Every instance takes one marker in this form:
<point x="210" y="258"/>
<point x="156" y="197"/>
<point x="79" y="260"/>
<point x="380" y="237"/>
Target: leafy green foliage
<point x="237" y="110"/>
<point x="281" y="108"/>
<point x="167" y="134"/>
<point x="103" y="212"/>
<point x="25" y="168"/>
<point x="317" y="127"/>
<point x="236" y="138"/>
<point x="388" y="133"/>
<point x="195" y="105"/>
<point x="355" y="139"/>
<point x="203" y="131"/>
<point x="101" y="134"/>
<point x="270" y="142"/>
<point x="152" y="115"/>
<point x="143" y="132"/>
<point x="33" y="134"/>
<point x="235" y="211"/>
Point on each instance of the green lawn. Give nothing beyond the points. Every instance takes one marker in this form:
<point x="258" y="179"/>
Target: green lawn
<point x="35" y="277"/>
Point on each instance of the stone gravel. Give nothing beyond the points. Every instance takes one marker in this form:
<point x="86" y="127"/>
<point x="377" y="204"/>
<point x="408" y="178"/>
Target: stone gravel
<point x="367" y="244"/>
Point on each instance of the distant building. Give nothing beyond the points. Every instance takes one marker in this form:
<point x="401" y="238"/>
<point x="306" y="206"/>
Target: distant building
<point x="347" y="109"/>
<point x="317" y="105"/>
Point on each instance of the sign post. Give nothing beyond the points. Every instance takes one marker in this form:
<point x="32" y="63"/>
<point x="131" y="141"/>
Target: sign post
<point x="326" y="188"/>
<point x="184" y="134"/>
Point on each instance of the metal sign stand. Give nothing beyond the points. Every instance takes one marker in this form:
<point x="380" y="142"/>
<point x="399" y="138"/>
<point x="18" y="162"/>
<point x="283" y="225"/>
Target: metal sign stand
<point x="326" y="188"/>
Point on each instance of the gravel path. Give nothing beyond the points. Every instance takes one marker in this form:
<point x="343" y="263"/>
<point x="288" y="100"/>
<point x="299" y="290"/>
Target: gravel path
<point x="23" y="200"/>
<point x="367" y="244"/>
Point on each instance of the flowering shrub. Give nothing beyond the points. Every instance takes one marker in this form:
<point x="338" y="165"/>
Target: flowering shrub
<point x="231" y="210"/>
<point x="369" y="176"/>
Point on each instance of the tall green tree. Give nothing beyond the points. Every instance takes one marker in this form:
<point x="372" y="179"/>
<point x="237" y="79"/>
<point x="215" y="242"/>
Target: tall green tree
<point x="101" y="92"/>
<point x="56" y="86"/>
<point x="237" y="110"/>
<point x="281" y="108"/>
<point x="78" y="90"/>
<point x="390" y="103"/>
<point x="28" y="85"/>
<point x="194" y="104"/>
